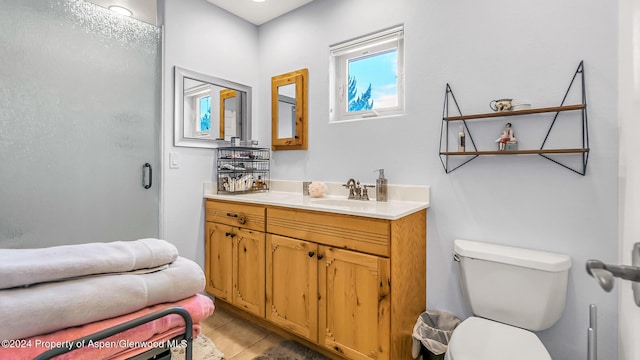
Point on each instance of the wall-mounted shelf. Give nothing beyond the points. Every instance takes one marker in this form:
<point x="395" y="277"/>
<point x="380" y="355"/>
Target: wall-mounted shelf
<point x="583" y="151"/>
<point x="516" y="112"/>
<point x="517" y="152"/>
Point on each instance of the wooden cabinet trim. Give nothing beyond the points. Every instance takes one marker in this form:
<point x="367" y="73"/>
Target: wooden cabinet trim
<point x="368" y="298"/>
<point x="220" y="247"/>
<point x="249" y="270"/>
<point x="299" y="310"/>
<point x="408" y="279"/>
<point x="235" y="214"/>
<point x="344" y="231"/>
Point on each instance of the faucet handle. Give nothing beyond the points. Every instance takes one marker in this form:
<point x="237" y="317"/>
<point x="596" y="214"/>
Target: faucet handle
<point x="365" y="192"/>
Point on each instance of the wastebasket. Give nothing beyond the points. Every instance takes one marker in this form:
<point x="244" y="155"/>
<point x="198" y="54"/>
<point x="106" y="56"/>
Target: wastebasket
<point x="431" y="334"/>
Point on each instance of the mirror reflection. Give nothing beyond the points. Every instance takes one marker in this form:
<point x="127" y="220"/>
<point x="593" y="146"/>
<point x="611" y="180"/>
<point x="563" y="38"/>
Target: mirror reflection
<point x="209" y="110"/>
<point x="229" y="114"/>
<point x="286" y="111"/>
<point x="289" y="111"/>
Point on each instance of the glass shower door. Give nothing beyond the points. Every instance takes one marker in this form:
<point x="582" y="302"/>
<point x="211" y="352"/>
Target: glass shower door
<point x="79" y="119"/>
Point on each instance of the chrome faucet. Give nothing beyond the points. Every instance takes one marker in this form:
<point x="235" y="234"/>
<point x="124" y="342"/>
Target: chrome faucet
<point x="351" y="185"/>
<point x="357" y="192"/>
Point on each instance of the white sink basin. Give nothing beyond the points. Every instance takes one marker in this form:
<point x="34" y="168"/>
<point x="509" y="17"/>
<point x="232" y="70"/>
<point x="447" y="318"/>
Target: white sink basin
<point x="335" y="204"/>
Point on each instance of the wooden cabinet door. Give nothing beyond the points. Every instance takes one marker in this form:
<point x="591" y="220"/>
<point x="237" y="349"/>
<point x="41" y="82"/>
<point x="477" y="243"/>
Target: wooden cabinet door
<point x="248" y="270"/>
<point x="292" y="285"/>
<point x="354" y="308"/>
<point x="218" y="260"/>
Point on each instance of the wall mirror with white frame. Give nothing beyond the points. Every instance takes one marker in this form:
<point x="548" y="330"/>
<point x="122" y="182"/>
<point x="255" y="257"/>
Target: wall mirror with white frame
<point x="209" y="110"/>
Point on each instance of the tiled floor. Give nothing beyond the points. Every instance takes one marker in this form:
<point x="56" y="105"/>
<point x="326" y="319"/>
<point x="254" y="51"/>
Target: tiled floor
<point x="237" y="338"/>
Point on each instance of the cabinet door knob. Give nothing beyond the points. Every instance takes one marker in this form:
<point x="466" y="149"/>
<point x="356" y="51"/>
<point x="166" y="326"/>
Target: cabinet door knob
<point x="320" y="256"/>
<point x="311" y="253"/>
<point x="227" y="233"/>
<point x="242" y="219"/>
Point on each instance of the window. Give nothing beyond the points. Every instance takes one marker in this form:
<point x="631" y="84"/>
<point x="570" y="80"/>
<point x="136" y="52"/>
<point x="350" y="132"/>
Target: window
<point x="367" y="76"/>
<point x="204" y="114"/>
<point x="197" y="105"/>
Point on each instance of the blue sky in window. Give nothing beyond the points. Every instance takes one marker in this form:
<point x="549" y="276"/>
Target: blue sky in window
<point x="381" y="71"/>
<point x="205" y="113"/>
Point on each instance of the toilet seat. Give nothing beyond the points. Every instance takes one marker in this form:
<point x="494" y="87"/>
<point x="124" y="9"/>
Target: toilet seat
<point x="478" y="339"/>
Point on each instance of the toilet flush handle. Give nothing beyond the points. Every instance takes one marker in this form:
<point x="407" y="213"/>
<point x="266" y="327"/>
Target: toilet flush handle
<point x="456" y="258"/>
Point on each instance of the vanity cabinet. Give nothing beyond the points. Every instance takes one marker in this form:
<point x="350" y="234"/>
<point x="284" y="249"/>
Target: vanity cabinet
<point x="320" y="293"/>
<point x="354" y="310"/>
<point x="218" y="267"/>
<point x="292" y="285"/>
<point x="346" y="259"/>
<point x="235" y="255"/>
<point x="350" y="286"/>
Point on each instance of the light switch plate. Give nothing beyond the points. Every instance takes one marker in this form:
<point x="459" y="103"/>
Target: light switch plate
<point x="173" y="160"/>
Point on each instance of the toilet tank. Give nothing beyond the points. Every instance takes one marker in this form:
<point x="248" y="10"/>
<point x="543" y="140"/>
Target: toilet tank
<point x="520" y="287"/>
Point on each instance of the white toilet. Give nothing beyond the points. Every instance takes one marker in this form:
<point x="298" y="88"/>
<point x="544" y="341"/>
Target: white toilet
<point x="511" y="291"/>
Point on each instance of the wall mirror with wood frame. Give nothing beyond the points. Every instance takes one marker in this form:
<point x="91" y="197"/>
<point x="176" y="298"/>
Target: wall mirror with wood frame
<point x="289" y="111"/>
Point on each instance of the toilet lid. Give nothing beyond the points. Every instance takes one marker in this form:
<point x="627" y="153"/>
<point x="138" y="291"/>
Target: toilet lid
<point x="478" y="339"/>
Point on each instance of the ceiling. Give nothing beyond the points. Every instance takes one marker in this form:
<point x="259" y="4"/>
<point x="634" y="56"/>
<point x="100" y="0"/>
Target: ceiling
<point x="254" y="12"/>
<point x="259" y="12"/>
<point x="144" y="10"/>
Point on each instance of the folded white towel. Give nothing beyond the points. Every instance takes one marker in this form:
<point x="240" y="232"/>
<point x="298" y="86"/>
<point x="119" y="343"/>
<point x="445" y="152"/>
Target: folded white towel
<point x="22" y="267"/>
<point x="52" y="306"/>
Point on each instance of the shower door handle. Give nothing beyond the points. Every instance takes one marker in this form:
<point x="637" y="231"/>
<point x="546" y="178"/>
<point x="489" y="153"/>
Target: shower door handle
<point x="147" y="185"/>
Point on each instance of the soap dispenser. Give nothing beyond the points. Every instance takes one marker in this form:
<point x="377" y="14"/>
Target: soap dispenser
<point x="381" y="186"/>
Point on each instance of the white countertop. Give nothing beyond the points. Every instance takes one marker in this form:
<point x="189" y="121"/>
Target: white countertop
<point x="390" y="210"/>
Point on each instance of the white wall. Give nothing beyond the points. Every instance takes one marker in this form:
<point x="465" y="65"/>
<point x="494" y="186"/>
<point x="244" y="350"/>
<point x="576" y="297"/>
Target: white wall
<point x="485" y="50"/>
<point x="629" y="191"/>
<point x="203" y="38"/>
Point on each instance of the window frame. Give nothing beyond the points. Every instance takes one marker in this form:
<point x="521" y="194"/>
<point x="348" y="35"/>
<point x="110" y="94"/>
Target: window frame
<point x="195" y="94"/>
<point x="366" y="46"/>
